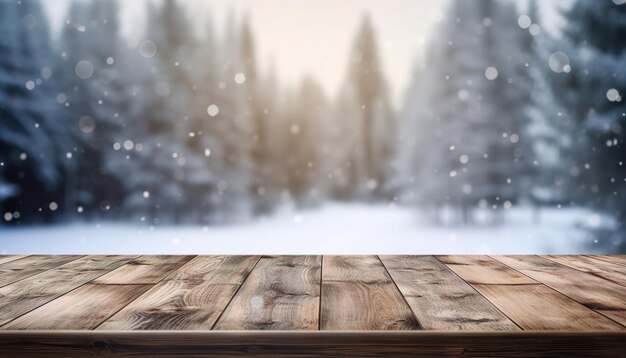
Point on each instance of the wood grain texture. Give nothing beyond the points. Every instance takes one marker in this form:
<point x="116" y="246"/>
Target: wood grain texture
<point x="192" y="298"/>
<point x="144" y="270"/>
<point x="83" y="308"/>
<point x="311" y="344"/>
<point x="308" y="293"/>
<point x="15" y="270"/>
<point x="593" y="292"/>
<point x="537" y="307"/>
<point x="354" y="268"/>
<point x="358" y="294"/>
<point x="440" y="299"/>
<point x="528" y="303"/>
<point x="281" y="293"/>
<point x="7" y="258"/>
<point x="32" y="292"/>
<point x="223" y="269"/>
<point x="603" y="269"/>
<point x="616" y="259"/>
<point x="484" y="270"/>
<point x="174" y="305"/>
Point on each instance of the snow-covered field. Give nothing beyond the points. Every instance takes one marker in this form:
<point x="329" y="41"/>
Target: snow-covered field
<point x="332" y="229"/>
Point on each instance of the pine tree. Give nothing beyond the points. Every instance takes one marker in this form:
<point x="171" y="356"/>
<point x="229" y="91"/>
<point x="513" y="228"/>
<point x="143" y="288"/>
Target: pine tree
<point x="31" y="138"/>
<point x="96" y="100"/>
<point x="204" y="144"/>
<point x="235" y="130"/>
<point x="449" y="105"/>
<point x="465" y="141"/>
<point x="271" y="175"/>
<point x="551" y="132"/>
<point x="158" y="185"/>
<point x="301" y="139"/>
<point x="592" y="94"/>
<point x="260" y="145"/>
<point x="368" y="90"/>
<point x="511" y="98"/>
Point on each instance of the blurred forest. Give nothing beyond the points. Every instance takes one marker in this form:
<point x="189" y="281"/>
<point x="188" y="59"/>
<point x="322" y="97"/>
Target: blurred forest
<point x="185" y="129"/>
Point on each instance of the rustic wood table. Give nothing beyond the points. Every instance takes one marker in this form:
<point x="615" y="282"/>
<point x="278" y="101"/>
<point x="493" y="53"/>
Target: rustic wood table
<point x="313" y="305"/>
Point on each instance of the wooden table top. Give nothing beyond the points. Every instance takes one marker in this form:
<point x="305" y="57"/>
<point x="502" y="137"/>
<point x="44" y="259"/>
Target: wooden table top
<point x="301" y="296"/>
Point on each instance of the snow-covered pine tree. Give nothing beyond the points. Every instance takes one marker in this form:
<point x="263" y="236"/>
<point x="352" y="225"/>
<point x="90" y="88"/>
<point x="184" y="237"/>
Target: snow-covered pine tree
<point x="551" y="131"/>
<point x="204" y="164"/>
<point x="96" y="102"/>
<point x="408" y="157"/>
<point x="592" y="94"/>
<point x="115" y="107"/>
<point x="31" y="137"/>
<point x="449" y="113"/>
<point x="157" y="185"/>
<point x="263" y="164"/>
<point x="342" y="147"/>
<point x="514" y="159"/>
<point x="462" y="138"/>
<point x="376" y="124"/>
<point x="271" y="143"/>
<point x="235" y="129"/>
<point x="301" y="134"/>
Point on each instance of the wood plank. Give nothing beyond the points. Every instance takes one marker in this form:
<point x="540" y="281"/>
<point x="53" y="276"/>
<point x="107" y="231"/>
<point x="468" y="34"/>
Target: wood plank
<point x="7" y="258"/>
<point x="32" y="292"/>
<point x="593" y="292"/>
<point x="354" y="268"/>
<point x="484" y="270"/>
<point x="224" y="269"/>
<point x="358" y="294"/>
<point x="144" y="270"/>
<point x="528" y="303"/>
<point x="15" y="270"/>
<point x="616" y="259"/>
<point x="83" y="308"/>
<point x="537" y="307"/>
<point x="192" y="298"/>
<point x="311" y="344"/>
<point x="440" y="299"/>
<point x="603" y="269"/>
<point x="281" y="293"/>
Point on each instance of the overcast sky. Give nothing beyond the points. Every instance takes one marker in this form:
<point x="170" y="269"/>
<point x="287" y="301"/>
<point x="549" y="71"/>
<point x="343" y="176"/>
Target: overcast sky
<point x="309" y="37"/>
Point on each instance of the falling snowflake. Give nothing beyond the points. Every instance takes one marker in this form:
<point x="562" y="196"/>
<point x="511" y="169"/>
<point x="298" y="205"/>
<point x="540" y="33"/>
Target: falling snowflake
<point x="213" y="110"/>
<point x="240" y="78"/>
<point x="147" y="49"/>
<point x="84" y="69"/>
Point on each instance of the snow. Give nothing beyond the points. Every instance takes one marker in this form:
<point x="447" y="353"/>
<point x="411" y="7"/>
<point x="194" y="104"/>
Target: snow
<point x="332" y="229"/>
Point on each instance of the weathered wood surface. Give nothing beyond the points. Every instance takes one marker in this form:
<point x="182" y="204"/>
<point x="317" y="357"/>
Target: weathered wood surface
<point x="22" y="296"/>
<point x="282" y="293"/>
<point x="330" y="305"/>
<point x="598" y="294"/>
<point x="531" y="305"/>
<point x="440" y="299"/>
<point x="144" y="270"/>
<point x="84" y="308"/>
<point x="604" y="269"/>
<point x="191" y="298"/>
<point x="7" y="258"/>
<point x="359" y="294"/>
<point x="617" y="259"/>
<point x="12" y="269"/>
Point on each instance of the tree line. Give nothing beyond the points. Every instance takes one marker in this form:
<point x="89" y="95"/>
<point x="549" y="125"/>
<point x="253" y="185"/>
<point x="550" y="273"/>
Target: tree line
<point x="186" y="128"/>
<point x="183" y="128"/>
<point x="504" y="113"/>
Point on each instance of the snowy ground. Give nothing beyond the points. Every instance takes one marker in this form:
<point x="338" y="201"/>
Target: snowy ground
<point x="333" y="229"/>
